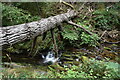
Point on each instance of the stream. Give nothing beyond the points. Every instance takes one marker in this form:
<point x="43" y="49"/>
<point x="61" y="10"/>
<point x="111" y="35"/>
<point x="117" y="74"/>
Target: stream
<point x="71" y="56"/>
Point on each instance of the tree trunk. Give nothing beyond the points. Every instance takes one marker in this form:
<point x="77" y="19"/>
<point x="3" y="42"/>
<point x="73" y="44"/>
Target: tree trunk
<point x="16" y="33"/>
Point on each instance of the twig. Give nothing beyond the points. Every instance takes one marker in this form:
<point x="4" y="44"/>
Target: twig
<point x="118" y="42"/>
<point x="68" y="4"/>
<point x="9" y="57"/>
<point x="82" y="6"/>
<point x="103" y="34"/>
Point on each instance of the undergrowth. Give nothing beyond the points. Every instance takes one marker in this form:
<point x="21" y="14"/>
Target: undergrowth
<point x="90" y="69"/>
<point x="77" y="36"/>
<point x="12" y="16"/>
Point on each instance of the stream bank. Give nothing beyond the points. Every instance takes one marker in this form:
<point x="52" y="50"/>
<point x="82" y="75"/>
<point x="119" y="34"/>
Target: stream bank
<point x="72" y="56"/>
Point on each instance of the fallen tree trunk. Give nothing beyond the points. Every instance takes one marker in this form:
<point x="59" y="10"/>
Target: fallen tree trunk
<point x="16" y="33"/>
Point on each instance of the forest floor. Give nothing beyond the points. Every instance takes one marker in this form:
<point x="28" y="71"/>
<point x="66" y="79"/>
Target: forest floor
<point x="16" y="64"/>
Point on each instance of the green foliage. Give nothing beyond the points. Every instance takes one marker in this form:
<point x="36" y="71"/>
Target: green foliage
<point x="91" y="69"/>
<point x="12" y="15"/>
<point x="73" y="73"/>
<point x="102" y="69"/>
<point x="12" y="50"/>
<point x="69" y="33"/>
<point x="42" y="9"/>
<point x="86" y="38"/>
<point x="79" y="37"/>
<point x="20" y="47"/>
<point x="108" y="18"/>
<point x="91" y="40"/>
<point x="20" y="73"/>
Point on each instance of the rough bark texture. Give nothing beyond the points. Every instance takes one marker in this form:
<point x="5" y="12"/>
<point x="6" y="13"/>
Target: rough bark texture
<point x="13" y="34"/>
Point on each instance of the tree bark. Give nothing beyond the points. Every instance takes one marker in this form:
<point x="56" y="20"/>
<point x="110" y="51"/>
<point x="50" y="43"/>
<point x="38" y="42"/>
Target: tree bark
<point x="16" y="33"/>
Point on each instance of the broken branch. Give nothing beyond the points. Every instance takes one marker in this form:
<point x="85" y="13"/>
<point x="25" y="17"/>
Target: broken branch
<point x="74" y="24"/>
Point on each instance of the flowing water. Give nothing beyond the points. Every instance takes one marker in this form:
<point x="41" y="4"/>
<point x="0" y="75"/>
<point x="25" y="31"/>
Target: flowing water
<point x="71" y="56"/>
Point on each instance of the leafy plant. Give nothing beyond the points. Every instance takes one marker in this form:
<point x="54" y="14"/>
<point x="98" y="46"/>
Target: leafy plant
<point x="12" y="15"/>
<point x="107" y="18"/>
<point x="101" y="69"/>
<point x="78" y="37"/>
<point x="91" y="40"/>
<point x="86" y="38"/>
<point x="92" y="69"/>
<point x="70" y="34"/>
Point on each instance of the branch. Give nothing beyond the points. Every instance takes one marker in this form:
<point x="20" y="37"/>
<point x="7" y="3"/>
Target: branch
<point x="70" y="22"/>
<point x="68" y="4"/>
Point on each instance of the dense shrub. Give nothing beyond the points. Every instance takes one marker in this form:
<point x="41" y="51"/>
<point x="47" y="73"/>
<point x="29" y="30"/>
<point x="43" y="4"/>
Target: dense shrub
<point x="91" y="69"/>
<point x="12" y="15"/>
<point x="108" y="18"/>
<point x="77" y="37"/>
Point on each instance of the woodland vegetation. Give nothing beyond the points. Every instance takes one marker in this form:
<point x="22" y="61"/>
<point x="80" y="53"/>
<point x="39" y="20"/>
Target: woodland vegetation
<point x="89" y="42"/>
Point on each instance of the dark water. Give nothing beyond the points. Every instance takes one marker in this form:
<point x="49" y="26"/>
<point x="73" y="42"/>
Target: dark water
<point x="69" y="56"/>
